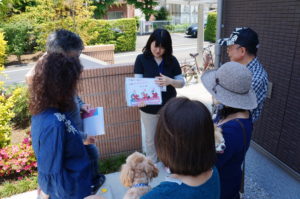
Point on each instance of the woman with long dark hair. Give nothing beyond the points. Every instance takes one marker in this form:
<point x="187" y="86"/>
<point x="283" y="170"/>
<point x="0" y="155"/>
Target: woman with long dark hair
<point x="62" y="171"/>
<point x="157" y="61"/>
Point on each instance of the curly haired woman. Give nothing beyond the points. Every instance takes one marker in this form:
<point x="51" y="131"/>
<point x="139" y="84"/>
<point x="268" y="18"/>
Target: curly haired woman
<point x="62" y="171"/>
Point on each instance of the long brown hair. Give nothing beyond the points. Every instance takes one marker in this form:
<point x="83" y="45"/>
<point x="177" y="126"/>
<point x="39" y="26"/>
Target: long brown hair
<point x="54" y="83"/>
<point x="184" y="139"/>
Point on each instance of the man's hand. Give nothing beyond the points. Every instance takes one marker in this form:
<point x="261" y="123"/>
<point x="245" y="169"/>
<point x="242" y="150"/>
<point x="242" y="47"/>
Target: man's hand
<point x="86" y="108"/>
<point x="90" y="140"/>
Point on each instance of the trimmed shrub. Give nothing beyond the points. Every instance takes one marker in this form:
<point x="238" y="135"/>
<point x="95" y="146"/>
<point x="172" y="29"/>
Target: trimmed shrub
<point x="121" y="32"/>
<point x="126" y="38"/>
<point x="211" y="27"/>
<point x="17" y="160"/>
<point x="2" y="49"/>
<point x="6" y="114"/>
<point x="20" y="109"/>
<point x="177" y="28"/>
<point x="18" y="35"/>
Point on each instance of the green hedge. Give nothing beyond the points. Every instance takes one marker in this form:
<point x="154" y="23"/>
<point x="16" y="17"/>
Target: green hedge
<point x="2" y="49"/>
<point x="211" y="27"/>
<point x="177" y="27"/>
<point x="22" y="36"/>
<point x="121" y="32"/>
<point x="126" y="40"/>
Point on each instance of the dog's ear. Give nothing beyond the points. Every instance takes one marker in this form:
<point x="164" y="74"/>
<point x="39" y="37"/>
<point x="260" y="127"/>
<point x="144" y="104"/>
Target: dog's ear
<point x="218" y="135"/>
<point x="151" y="169"/>
<point x="127" y="175"/>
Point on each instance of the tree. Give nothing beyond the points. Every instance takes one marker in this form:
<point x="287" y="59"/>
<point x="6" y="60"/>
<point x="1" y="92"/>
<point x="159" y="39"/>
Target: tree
<point x="102" y="7"/>
<point x="162" y="14"/>
<point x="9" y="8"/>
<point x="146" y="6"/>
<point x="49" y="15"/>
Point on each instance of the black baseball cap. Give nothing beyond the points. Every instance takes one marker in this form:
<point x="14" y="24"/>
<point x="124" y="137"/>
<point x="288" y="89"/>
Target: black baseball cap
<point x="244" y="36"/>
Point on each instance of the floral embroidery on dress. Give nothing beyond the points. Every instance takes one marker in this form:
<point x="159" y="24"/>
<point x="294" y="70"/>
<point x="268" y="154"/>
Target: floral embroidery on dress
<point x="62" y="118"/>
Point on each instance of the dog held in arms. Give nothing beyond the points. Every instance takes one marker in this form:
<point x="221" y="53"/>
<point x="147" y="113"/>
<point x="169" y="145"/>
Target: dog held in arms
<point x="219" y="140"/>
<point x="136" y="174"/>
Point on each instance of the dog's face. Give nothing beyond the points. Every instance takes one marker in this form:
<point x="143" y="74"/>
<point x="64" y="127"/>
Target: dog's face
<point x="219" y="140"/>
<point x="137" y="166"/>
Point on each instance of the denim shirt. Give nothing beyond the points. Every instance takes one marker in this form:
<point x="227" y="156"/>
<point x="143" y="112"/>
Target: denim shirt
<point x="62" y="171"/>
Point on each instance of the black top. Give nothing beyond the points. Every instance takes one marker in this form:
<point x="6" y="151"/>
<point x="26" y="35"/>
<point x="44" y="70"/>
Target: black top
<point x="147" y="66"/>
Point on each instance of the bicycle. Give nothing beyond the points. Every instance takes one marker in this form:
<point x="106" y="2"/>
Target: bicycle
<point x="192" y="71"/>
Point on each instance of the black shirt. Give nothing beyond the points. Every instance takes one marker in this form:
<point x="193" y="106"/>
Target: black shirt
<point x="147" y="66"/>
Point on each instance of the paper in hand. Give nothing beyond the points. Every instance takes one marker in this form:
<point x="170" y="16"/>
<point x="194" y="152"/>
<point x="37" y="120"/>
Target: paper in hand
<point x="93" y="122"/>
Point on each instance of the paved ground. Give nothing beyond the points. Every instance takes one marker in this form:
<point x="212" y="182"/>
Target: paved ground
<point x="264" y="179"/>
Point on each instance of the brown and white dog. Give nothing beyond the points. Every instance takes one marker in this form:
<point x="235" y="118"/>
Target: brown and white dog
<point x="219" y="140"/>
<point x="136" y="174"/>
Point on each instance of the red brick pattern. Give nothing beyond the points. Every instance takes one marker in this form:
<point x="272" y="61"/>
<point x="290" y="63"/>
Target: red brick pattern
<point x="105" y="87"/>
<point x="278" y="25"/>
<point x="102" y="52"/>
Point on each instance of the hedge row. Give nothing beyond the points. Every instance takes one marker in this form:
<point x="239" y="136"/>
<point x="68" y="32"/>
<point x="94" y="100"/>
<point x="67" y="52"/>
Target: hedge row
<point x="121" y="32"/>
<point x="2" y="49"/>
<point x="25" y="36"/>
<point x="211" y="27"/>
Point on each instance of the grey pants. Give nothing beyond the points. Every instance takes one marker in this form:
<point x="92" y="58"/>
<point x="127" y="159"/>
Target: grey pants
<point x="149" y="123"/>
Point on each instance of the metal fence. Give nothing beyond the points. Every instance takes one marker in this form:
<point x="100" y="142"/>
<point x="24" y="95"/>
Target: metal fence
<point x="147" y="27"/>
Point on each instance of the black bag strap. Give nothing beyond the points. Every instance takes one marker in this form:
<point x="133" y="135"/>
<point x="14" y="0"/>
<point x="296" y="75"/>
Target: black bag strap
<point x="242" y="190"/>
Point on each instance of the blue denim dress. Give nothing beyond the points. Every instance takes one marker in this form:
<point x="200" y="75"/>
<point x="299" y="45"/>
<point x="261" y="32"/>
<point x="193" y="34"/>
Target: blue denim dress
<point x="62" y="171"/>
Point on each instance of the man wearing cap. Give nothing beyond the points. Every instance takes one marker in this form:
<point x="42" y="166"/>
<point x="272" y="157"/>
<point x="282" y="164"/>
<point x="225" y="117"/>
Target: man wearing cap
<point x="242" y="47"/>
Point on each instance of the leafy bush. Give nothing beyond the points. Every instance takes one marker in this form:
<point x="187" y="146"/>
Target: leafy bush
<point x="18" y="35"/>
<point x="20" y="109"/>
<point x="126" y="39"/>
<point x="6" y="114"/>
<point x="17" y="160"/>
<point x="211" y="27"/>
<point x="161" y="14"/>
<point x="2" y="49"/>
<point x="121" y="32"/>
<point x="177" y="27"/>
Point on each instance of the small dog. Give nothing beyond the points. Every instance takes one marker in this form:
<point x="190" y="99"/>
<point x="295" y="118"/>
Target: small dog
<point x="137" y="173"/>
<point x="219" y="140"/>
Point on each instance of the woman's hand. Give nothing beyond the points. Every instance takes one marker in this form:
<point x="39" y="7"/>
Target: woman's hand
<point x="90" y="140"/>
<point x="86" y="108"/>
<point x="163" y="80"/>
<point x="141" y="104"/>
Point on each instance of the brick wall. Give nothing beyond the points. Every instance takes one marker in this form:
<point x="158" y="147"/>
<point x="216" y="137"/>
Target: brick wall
<point x="278" y="24"/>
<point x="128" y="10"/>
<point x="104" y="86"/>
<point x="102" y="52"/>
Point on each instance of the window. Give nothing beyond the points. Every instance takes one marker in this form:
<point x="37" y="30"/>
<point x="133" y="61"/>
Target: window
<point x="115" y="15"/>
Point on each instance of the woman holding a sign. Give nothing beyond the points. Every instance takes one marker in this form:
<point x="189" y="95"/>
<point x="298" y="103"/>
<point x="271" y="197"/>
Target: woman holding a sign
<point x="157" y="62"/>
